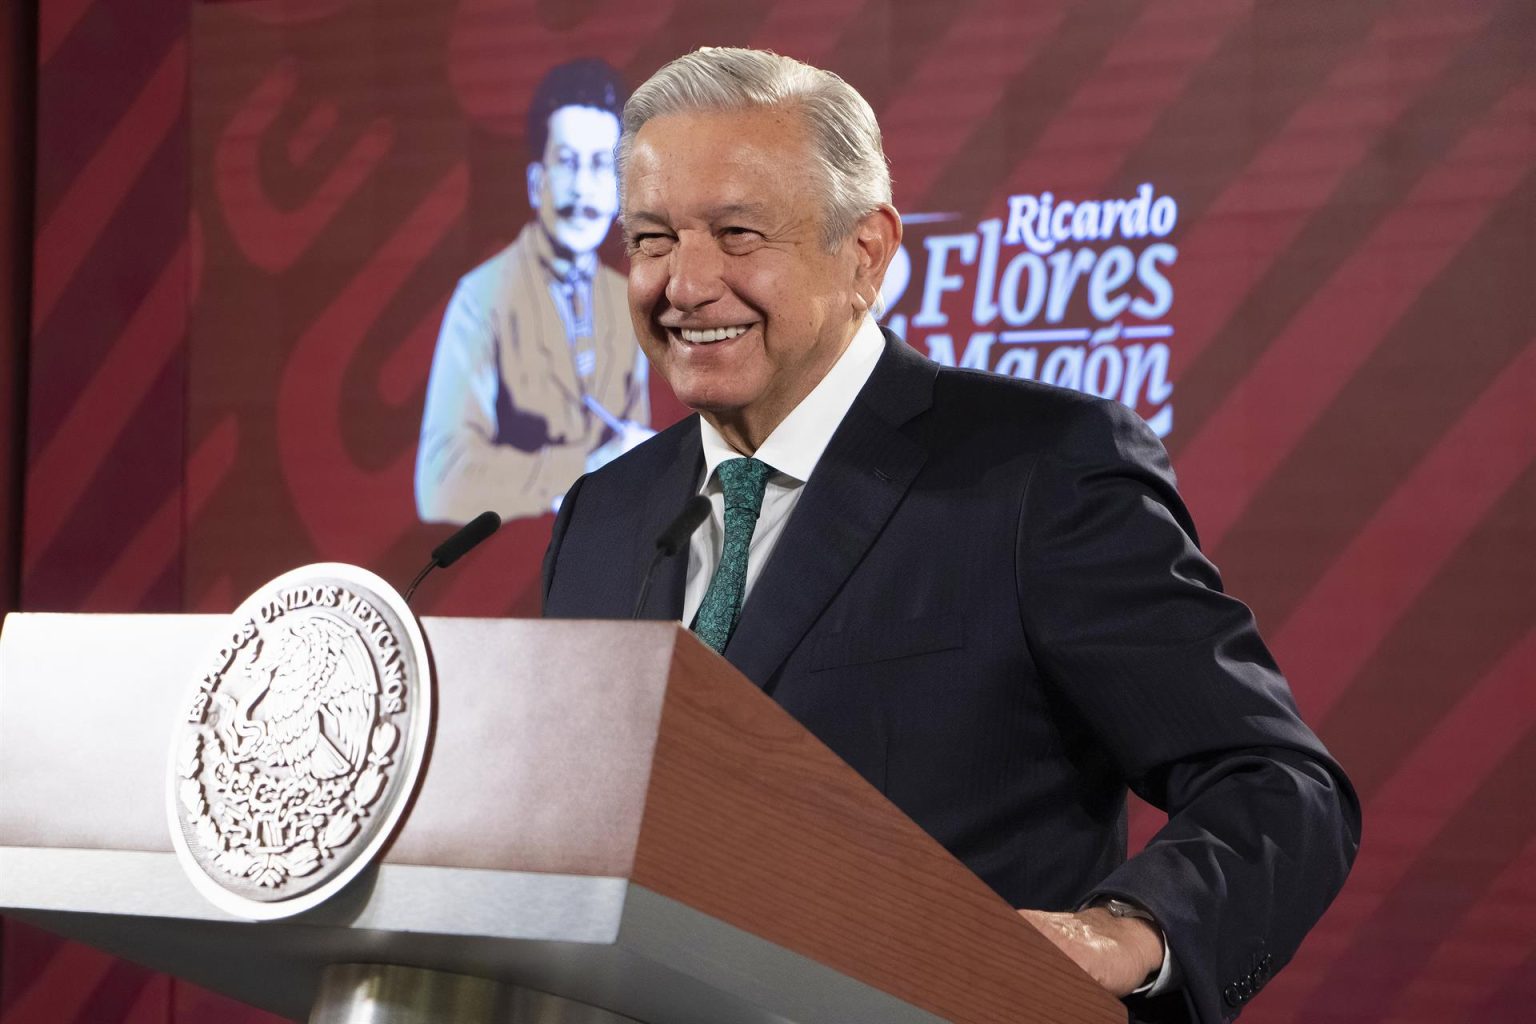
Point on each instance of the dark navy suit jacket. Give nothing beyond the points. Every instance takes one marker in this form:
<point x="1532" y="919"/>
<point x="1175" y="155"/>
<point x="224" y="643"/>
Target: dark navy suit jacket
<point x="989" y="602"/>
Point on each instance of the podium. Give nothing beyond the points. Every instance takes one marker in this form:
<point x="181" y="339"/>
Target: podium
<point x="608" y="814"/>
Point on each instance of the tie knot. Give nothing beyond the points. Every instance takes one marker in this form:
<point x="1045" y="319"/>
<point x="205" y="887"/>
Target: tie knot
<point x="743" y="481"/>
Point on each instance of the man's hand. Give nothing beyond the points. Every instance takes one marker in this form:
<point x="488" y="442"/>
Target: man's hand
<point x="621" y="442"/>
<point x="1120" y="953"/>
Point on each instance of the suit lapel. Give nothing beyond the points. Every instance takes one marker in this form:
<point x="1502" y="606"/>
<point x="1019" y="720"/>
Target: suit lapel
<point x="669" y="492"/>
<point x="857" y="485"/>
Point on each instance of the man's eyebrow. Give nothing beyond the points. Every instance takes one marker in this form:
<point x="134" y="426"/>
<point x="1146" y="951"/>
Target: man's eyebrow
<point x="737" y="209"/>
<point x="718" y="213"/>
<point x="630" y="216"/>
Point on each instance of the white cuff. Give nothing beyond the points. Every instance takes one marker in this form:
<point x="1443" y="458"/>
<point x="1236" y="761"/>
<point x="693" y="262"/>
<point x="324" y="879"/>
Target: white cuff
<point x="1167" y="975"/>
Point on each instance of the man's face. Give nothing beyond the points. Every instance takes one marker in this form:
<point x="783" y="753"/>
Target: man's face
<point x="574" y="188"/>
<point x="736" y="299"/>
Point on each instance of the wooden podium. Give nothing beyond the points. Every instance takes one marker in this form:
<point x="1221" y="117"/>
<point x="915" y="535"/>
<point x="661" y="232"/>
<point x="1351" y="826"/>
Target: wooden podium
<point x="609" y="812"/>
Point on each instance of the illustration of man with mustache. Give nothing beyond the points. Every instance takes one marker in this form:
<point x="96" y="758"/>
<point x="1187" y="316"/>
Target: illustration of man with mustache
<point x="537" y="377"/>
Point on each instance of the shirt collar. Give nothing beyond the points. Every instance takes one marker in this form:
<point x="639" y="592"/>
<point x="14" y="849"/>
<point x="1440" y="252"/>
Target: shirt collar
<point x="797" y="443"/>
<point x="561" y="269"/>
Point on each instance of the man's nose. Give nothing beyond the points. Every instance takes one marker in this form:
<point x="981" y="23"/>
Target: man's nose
<point x="584" y="183"/>
<point x="694" y="280"/>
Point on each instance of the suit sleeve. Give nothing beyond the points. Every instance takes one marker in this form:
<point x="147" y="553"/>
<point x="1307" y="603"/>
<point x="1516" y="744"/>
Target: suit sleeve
<point x="1129" y="622"/>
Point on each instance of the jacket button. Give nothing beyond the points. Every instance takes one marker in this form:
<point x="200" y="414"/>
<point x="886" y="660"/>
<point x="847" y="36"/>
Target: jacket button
<point x="1231" y="995"/>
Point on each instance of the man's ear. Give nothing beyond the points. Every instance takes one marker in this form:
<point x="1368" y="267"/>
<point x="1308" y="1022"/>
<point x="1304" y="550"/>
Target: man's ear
<point x="535" y="183"/>
<point x="876" y="238"/>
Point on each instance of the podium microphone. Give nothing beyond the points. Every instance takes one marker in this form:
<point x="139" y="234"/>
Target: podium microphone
<point x="671" y="541"/>
<point x="457" y="546"/>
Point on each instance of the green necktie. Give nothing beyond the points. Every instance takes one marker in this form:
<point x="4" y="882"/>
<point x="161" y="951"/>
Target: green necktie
<point x="743" y="481"/>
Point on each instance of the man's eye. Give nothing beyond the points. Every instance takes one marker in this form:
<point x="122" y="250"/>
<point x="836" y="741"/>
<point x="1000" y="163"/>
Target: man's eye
<point x="651" y="245"/>
<point x="738" y="239"/>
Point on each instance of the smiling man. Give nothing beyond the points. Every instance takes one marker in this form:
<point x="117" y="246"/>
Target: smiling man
<point x="984" y="594"/>
<point x="536" y="377"/>
<point x="739" y="300"/>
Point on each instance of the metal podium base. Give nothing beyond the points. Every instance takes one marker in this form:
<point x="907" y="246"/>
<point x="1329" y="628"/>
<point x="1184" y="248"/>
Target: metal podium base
<point x="386" y="994"/>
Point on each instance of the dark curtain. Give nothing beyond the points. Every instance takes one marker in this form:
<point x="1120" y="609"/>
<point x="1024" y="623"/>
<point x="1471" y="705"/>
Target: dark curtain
<point x="18" y="42"/>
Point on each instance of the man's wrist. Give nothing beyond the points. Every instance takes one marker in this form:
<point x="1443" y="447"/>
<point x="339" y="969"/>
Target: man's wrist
<point x="1142" y="932"/>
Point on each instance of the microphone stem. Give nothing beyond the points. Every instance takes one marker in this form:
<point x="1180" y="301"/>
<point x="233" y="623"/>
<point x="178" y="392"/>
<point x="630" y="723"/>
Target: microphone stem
<point x="419" y="577"/>
<point x="645" y="584"/>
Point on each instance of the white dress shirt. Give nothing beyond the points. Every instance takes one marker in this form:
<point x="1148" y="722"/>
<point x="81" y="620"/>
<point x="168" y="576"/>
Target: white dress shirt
<point x="793" y="449"/>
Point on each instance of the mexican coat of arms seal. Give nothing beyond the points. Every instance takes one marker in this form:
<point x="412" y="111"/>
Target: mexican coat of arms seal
<point x="301" y="743"/>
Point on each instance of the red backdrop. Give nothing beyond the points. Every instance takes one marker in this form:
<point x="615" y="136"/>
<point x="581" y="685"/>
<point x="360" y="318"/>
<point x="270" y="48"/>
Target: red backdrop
<point x="249" y="217"/>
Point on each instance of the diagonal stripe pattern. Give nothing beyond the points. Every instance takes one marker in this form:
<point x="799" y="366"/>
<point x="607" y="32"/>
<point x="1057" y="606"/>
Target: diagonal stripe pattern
<point x="1349" y="330"/>
<point x="743" y="481"/>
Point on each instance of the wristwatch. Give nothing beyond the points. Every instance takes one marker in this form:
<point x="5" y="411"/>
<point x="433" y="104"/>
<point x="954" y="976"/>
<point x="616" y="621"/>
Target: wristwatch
<point x="1120" y="908"/>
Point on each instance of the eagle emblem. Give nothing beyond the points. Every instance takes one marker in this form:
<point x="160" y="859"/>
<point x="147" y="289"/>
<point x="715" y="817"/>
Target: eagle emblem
<point x="314" y="705"/>
<point x="291" y="743"/>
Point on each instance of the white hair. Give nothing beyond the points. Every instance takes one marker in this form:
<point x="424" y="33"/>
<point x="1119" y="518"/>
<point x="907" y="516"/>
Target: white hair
<point x="845" y="137"/>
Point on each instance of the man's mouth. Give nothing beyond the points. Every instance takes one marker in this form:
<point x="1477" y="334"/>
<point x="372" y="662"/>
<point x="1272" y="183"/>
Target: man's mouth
<point x="710" y="335"/>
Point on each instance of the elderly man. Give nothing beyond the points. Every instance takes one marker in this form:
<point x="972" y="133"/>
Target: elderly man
<point x="537" y="377"/>
<point x="982" y="593"/>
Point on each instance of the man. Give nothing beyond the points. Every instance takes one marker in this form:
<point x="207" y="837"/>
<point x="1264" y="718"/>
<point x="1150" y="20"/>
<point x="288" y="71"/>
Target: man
<point x="982" y="593"/>
<point x="536" y="377"/>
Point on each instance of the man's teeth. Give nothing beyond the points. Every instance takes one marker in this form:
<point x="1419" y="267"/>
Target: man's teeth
<point x="712" y="334"/>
